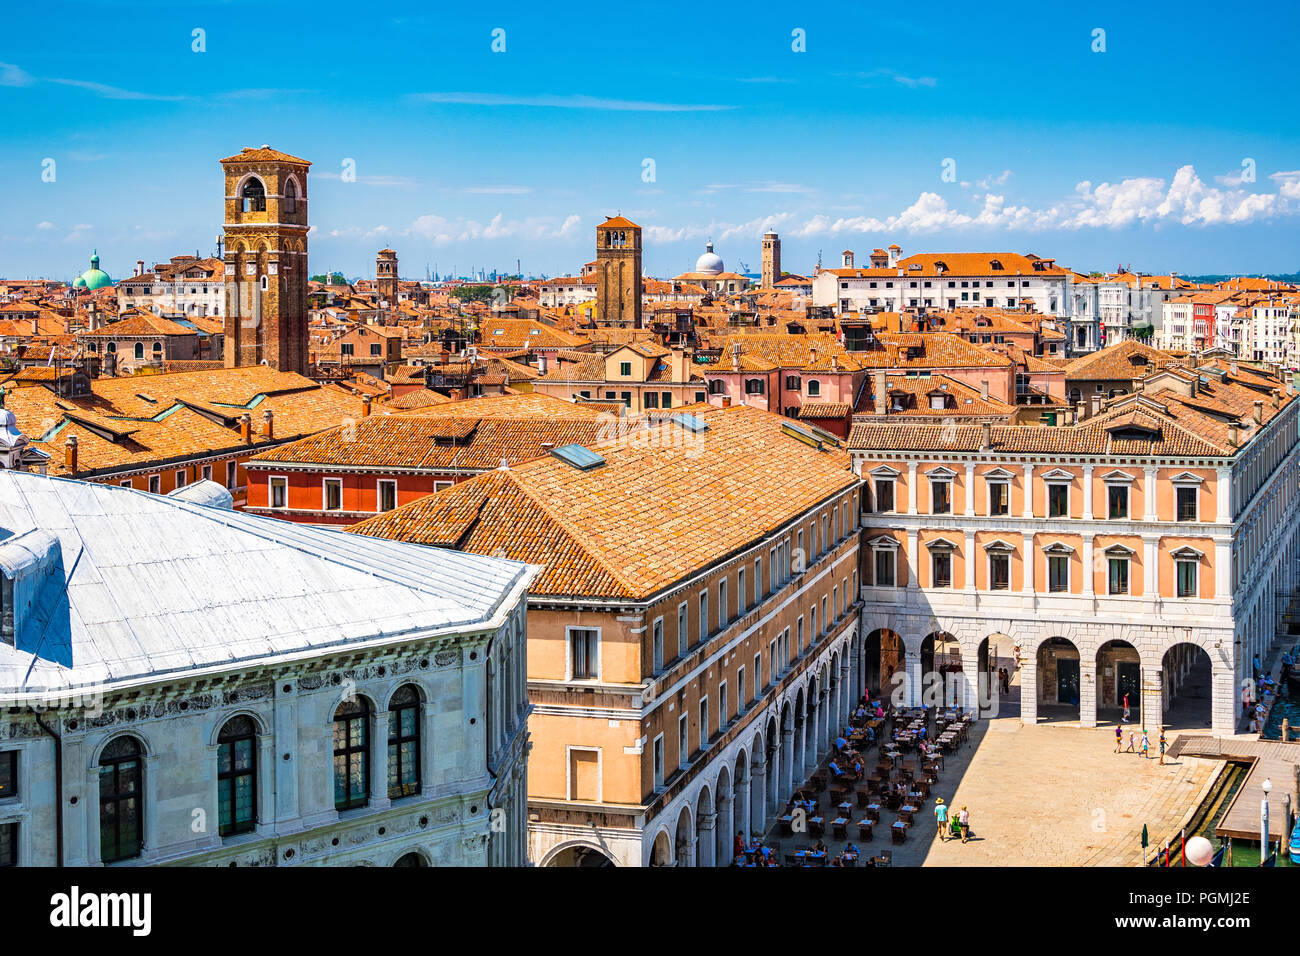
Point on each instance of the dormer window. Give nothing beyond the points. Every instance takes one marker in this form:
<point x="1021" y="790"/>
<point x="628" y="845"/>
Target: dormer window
<point x="253" y="196"/>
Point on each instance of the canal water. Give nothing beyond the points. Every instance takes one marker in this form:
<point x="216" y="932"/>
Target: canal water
<point x="1244" y="853"/>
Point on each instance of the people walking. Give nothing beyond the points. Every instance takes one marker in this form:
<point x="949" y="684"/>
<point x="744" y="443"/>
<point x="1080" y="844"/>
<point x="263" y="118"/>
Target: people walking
<point x="963" y="818"/>
<point x="1126" y="708"/>
<point x="1132" y="749"/>
<point x="1119" y="738"/>
<point x="1162" y="746"/>
<point x="1146" y="745"/>
<point x="941" y="818"/>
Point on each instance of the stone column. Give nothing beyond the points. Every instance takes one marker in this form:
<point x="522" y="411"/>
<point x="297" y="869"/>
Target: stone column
<point x="913" y="546"/>
<point x="1029" y="687"/>
<point x="1087" y="690"/>
<point x="1223" y="699"/>
<point x="911" y="487"/>
<point x="1089" y="572"/>
<point x="726" y="830"/>
<point x="1150" y="569"/>
<point x="1153" y="698"/>
<point x="970" y="669"/>
<point x="379" y="759"/>
<point x="970" y="488"/>
<point x="1029" y="491"/>
<point x="1087" y="493"/>
<point x="1149" y="496"/>
<point x="969" y="557"/>
<point x="1027" y="558"/>
<point x="847" y="697"/>
<point x="704" y="840"/>
<point x="913" y="663"/>
<point x="758" y="795"/>
<point x="742" y="799"/>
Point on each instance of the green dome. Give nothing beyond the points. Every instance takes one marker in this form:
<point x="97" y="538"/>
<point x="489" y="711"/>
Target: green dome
<point x="94" y="277"/>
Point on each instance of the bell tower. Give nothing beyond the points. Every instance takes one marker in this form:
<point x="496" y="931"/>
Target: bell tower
<point x="266" y="259"/>
<point x="386" y="278"/>
<point x="771" y="260"/>
<point x="618" y="274"/>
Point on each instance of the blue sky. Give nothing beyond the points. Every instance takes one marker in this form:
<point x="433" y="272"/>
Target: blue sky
<point x="466" y="157"/>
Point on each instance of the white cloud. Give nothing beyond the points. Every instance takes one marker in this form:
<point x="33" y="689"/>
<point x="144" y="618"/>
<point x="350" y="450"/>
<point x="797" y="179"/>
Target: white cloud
<point x="45" y="225"/>
<point x="11" y="75"/>
<point x="441" y="230"/>
<point x="115" y="92"/>
<point x="568" y="102"/>
<point x="1139" y="201"/>
<point x="912" y="82"/>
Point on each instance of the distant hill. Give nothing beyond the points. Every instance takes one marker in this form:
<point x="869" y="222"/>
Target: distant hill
<point x="1292" y="277"/>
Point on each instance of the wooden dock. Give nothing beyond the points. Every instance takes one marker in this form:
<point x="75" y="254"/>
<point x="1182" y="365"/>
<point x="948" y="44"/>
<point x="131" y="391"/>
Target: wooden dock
<point x="1268" y="760"/>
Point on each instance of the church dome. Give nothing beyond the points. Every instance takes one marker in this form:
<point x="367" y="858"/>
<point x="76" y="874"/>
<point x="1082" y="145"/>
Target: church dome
<point x="709" y="262"/>
<point x="94" y="277"/>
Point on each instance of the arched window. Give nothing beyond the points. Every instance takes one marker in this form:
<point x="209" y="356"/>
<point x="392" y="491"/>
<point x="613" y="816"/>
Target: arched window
<point x="715" y="386"/>
<point x="121" y="800"/>
<point x="410" y="859"/>
<point x="157" y="350"/>
<point x="253" y="196"/>
<point x="237" y="776"/>
<point x="1076" y="396"/>
<point x="291" y="197"/>
<point x="112" y="347"/>
<point x="139" y="350"/>
<point x="404" y="743"/>
<point x="754" y="386"/>
<point x="814" y="387"/>
<point x="352" y="754"/>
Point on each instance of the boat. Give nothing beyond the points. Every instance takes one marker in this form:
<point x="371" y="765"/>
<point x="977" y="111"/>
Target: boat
<point x="1294" y="847"/>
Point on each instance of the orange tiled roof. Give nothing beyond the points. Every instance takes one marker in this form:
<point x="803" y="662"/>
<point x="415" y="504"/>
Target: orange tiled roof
<point x="661" y="508"/>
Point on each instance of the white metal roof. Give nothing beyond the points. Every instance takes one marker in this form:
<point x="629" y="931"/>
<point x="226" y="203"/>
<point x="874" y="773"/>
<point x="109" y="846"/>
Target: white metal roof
<point x="159" y="585"/>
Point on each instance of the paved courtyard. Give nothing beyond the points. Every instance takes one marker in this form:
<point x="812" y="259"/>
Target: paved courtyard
<point x="1043" y="795"/>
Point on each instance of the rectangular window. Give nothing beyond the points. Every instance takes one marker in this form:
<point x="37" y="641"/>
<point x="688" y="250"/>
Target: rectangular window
<point x="8" y="844"/>
<point x="651" y="400"/>
<point x="835" y="599"/>
<point x="999" y="498"/>
<point x="1058" y="500"/>
<point x="657" y="645"/>
<point x="659" y="762"/>
<point x="683" y="630"/>
<point x="333" y="494"/>
<point x="387" y="495"/>
<point x="704" y="615"/>
<point x="704" y="723"/>
<point x="741" y="598"/>
<point x="8" y="774"/>
<point x="941" y="496"/>
<point x="722" y="705"/>
<point x="722" y="604"/>
<point x="798" y="633"/>
<point x="740" y="689"/>
<point x="1186" y="578"/>
<point x="1116" y="501"/>
<point x="999" y="571"/>
<point x="624" y="368"/>
<point x="232" y="473"/>
<point x="1186" y="504"/>
<point x="885" y="568"/>
<point x="279" y="493"/>
<point x="941" y="562"/>
<point x="683" y="742"/>
<point x="206" y="472"/>
<point x="758" y="579"/>
<point x="1117" y="582"/>
<point x="772" y="665"/>
<point x="665" y="399"/>
<point x="584" y="775"/>
<point x="758" y="673"/>
<point x="155" y="484"/>
<point x="584" y="653"/>
<point x="1058" y="573"/>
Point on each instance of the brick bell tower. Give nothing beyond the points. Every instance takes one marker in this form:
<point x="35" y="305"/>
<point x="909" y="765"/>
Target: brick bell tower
<point x="618" y="274"/>
<point x="386" y="278"/>
<point x="266" y="259"/>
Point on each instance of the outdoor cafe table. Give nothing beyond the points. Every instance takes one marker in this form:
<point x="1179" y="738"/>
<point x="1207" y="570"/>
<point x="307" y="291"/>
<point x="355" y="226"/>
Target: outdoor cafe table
<point x="873" y="812"/>
<point x="906" y="812"/>
<point x="846" y="808"/>
<point x="898" y="831"/>
<point x="810" y="857"/>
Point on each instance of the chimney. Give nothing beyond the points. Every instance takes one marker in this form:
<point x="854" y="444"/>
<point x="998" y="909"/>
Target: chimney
<point x="541" y="362"/>
<point x="1232" y="435"/>
<point x="365" y="407"/>
<point x="984" y="390"/>
<point x="70" y="454"/>
<point x="986" y="436"/>
<point x="139" y="267"/>
<point x="1232" y="366"/>
<point x="726" y="401"/>
<point x="878" y="386"/>
<point x="1071" y="414"/>
<point x="1096" y="404"/>
<point x="1277" y="400"/>
<point x="246" y="428"/>
<point x="1259" y="413"/>
<point x="735" y="357"/>
<point x="268" y="424"/>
